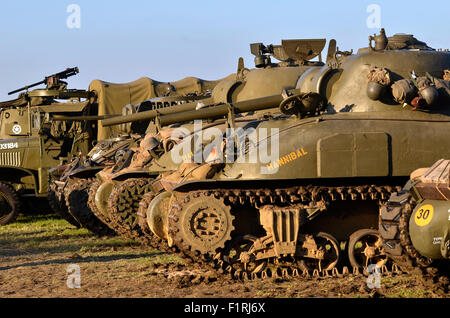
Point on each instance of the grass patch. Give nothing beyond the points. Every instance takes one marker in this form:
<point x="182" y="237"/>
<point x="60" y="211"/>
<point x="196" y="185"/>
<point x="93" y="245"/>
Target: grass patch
<point x="37" y="234"/>
<point x="39" y="226"/>
<point x="40" y="233"/>
<point x="408" y="293"/>
<point x="111" y="242"/>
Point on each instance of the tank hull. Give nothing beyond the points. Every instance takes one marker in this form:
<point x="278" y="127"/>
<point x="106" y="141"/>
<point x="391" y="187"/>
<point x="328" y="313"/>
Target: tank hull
<point x="346" y="146"/>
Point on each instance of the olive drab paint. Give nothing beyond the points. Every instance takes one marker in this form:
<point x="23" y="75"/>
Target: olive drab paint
<point x="341" y="146"/>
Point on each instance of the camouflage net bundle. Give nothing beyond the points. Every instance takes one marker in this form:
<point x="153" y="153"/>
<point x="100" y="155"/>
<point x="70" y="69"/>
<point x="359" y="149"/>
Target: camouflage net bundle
<point x="423" y="82"/>
<point x="379" y="75"/>
<point x="446" y="75"/>
<point x="443" y="87"/>
<point x="403" y="91"/>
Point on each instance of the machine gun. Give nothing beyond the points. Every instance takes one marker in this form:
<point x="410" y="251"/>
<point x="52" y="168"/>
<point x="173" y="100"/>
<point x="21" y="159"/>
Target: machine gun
<point x="52" y="80"/>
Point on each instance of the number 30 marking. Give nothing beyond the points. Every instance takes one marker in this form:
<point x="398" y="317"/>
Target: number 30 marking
<point x="424" y="215"/>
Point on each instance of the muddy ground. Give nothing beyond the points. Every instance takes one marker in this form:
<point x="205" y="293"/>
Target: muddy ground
<point x="38" y="254"/>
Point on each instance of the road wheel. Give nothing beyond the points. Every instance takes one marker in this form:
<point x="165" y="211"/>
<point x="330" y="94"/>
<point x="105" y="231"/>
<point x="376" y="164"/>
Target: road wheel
<point x="365" y="247"/>
<point x="9" y="204"/>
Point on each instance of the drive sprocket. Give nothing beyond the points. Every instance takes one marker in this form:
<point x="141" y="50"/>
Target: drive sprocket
<point x="200" y="222"/>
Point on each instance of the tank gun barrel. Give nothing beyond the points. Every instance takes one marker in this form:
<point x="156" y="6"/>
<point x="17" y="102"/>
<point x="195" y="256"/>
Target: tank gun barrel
<point x="188" y="111"/>
<point x="151" y="114"/>
<point x="50" y="79"/>
<point x="83" y="118"/>
<point x="222" y="110"/>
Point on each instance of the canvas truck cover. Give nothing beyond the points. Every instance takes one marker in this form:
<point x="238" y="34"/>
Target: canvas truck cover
<point x="111" y="98"/>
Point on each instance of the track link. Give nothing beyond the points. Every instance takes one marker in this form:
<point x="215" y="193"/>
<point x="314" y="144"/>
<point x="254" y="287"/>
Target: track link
<point x="55" y="197"/>
<point x="260" y="197"/>
<point x="91" y="203"/>
<point x="123" y="205"/>
<point x="76" y="193"/>
<point x="394" y="229"/>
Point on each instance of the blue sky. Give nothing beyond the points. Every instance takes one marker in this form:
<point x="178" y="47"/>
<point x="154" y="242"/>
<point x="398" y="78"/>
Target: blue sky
<point x="120" y="41"/>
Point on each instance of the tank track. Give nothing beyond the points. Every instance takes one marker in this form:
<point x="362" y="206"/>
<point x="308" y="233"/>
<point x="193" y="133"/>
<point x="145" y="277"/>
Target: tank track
<point x="394" y="229"/>
<point x="123" y="205"/>
<point x="289" y="195"/>
<point x="138" y="229"/>
<point x="302" y="194"/>
<point x="91" y="203"/>
<point x="293" y="195"/>
<point x="142" y="233"/>
<point x="55" y="198"/>
<point x="76" y="195"/>
<point x="149" y="238"/>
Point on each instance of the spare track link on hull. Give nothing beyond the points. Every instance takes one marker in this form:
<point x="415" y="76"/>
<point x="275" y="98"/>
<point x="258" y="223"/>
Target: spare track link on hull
<point x="257" y="198"/>
<point x="394" y="229"/>
<point x="76" y="195"/>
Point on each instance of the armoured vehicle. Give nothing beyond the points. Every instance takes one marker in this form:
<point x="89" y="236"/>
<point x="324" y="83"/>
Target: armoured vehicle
<point x="119" y="196"/>
<point x="352" y="131"/>
<point x="415" y="222"/>
<point x="38" y="130"/>
<point x="47" y="127"/>
<point x="71" y="182"/>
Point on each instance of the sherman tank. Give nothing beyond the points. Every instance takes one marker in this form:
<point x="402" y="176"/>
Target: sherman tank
<point x="119" y="196"/>
<point x="313" y="179"/>
<point x="415" y="222"/>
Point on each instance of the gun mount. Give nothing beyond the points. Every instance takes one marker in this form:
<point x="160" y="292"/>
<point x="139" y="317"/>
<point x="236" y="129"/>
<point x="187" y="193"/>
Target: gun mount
<point x="290" y="52"/>
<point x="52" y="81"/>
